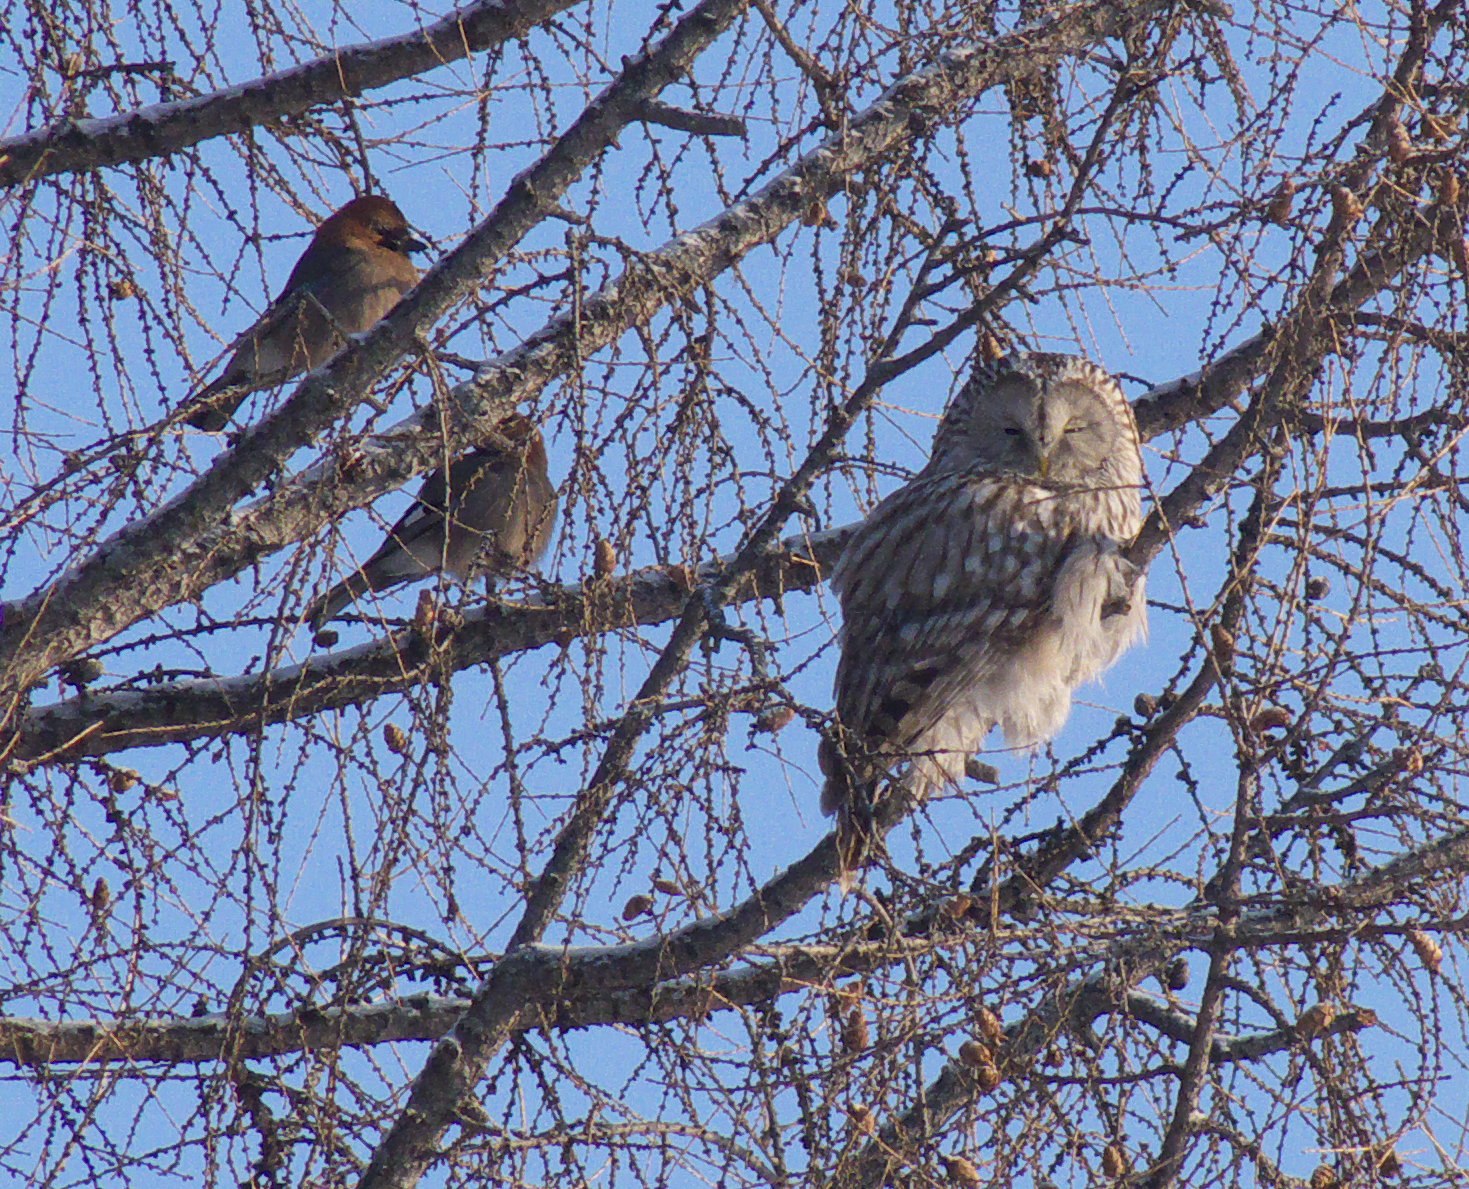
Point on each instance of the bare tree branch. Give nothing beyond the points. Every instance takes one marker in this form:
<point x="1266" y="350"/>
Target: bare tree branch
<point x="167" y="128"/>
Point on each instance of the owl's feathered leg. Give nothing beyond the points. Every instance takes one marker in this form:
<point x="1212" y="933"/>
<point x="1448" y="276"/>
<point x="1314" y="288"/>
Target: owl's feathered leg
<point x="1123" y="587"/>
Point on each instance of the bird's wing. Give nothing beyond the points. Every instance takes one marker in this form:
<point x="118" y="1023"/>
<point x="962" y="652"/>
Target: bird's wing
<point x="488" y="502"/>
<point x="457" y="513"/>
<point x="333" y="290"/>
<point x="415" y="543"/>
<point x="350" y="287"/>
<point x="411" y="549"/>
<point x="503" y="507"/>
<point x="483" y="486"/>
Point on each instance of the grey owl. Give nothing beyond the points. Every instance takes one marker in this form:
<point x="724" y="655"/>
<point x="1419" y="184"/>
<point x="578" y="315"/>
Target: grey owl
<point x="989" y="587"/>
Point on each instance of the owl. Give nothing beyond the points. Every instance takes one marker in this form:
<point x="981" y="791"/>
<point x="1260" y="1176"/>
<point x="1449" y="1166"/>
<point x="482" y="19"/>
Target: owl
<point x="988" y="588"/>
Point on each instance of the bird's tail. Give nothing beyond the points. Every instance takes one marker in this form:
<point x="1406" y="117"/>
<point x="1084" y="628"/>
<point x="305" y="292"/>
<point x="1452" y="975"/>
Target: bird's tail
<point x="324" y="606"/>
<point x="212" y="407"/>
<point x="858" y="845"/>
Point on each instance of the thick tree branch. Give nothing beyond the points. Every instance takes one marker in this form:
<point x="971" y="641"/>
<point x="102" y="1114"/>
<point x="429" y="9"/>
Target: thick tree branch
<point x="157" y="131"/>
<point x="223" y="1036"/>
<point x="699" y="123"/>
<point x="101" y="723"/>
<point x="779" y="971"/>
<point x="1179" y="1026"/>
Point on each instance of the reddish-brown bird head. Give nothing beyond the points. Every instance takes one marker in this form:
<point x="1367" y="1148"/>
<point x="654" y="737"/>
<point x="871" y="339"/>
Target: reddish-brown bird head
<point x="370" y="220"/>
<point x="523" y="433"/>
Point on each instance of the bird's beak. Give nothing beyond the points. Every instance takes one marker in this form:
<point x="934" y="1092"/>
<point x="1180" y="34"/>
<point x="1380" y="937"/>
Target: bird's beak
<point x="406" y="241"/>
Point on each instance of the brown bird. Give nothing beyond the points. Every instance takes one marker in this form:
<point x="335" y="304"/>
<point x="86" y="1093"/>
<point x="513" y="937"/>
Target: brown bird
<point x="352" y="273"/>
<point x="490" y="515"/>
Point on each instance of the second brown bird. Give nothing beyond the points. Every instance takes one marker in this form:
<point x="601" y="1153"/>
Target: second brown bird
<point x="490" y="514"/>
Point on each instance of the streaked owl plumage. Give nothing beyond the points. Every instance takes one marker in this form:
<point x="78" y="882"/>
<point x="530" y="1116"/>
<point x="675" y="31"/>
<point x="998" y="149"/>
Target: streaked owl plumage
<point x="989" y="587"/>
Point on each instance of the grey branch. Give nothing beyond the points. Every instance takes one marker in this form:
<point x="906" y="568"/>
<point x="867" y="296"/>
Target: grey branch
<point x="99" y="723"/>
<point x="79" y="145"/>
<point x="700" y="123"/>
<point x="1179" y="1026"/>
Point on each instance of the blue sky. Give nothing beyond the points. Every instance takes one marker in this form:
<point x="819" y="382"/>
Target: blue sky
<point x="668" y="459"/>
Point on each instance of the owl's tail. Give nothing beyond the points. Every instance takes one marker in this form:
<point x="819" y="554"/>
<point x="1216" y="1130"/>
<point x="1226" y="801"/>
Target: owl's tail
<point x="858" y="845"/>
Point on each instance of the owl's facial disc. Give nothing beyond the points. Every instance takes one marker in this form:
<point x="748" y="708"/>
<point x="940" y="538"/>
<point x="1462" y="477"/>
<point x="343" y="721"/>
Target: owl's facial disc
<point x="1054" y="431"/>
<point x="1053" y="418"/>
